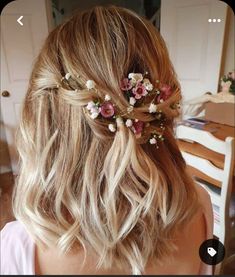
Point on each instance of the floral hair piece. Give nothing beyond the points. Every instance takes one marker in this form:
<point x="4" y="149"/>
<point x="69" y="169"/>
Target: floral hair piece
<point x="136" y="89"/>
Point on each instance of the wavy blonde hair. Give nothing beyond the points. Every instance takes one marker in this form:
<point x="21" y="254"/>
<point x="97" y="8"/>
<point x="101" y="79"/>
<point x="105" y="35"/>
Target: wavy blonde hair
<point x="81" y="185"/>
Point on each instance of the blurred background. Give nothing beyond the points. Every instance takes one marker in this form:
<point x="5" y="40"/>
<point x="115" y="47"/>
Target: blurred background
<point x="62" y="9"/>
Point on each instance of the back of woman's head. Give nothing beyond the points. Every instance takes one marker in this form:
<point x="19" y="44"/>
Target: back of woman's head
<point x="82" y="182"/>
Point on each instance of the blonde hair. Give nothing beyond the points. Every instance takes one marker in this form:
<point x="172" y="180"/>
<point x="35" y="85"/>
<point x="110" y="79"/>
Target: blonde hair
<point x="81" y="185"/>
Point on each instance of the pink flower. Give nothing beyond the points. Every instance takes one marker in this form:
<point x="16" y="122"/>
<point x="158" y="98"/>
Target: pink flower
<point x="226" y="86"/>
<point x="137" y="127"/>
<point x="165" y="93"/>
<point x="107" y="109"/>
<point x="139" y="90"/>
<point x="126" y="84"/>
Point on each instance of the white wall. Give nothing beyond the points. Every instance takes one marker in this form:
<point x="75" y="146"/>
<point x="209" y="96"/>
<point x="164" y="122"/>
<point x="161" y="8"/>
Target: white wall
<point x="228" y="58"/>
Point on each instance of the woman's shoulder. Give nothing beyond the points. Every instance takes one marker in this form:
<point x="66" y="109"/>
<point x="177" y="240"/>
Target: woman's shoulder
<point x="17" y="249"/>
<point x="207" y="214"/>
<point x="206" y="204"/>
<point x="195" y="232"/>
<point x="203" y="195"/>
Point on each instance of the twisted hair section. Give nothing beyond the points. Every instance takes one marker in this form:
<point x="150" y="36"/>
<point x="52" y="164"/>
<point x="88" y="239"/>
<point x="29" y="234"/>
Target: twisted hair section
<point x="80" y="185"/>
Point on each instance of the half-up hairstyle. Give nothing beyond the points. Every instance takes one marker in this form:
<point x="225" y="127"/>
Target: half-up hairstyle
<point x="80" y="184"/>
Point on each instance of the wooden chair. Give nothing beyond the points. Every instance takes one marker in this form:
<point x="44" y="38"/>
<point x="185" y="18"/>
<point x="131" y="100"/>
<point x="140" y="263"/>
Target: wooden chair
<point x="220" y="198"/>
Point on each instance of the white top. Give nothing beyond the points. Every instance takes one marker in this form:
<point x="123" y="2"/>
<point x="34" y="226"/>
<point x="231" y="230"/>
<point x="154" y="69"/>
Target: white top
<point x="18" y="248"/>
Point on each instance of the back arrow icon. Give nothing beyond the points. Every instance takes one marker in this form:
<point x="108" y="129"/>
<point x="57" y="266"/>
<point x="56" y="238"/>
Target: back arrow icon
<point x="19" y="20"/>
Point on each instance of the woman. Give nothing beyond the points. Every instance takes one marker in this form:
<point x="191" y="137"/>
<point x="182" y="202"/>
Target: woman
<point x="103" y="188"/>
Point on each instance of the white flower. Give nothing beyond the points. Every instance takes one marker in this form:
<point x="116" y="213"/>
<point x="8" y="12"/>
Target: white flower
<point x="90" y="105"/>
<point x="153" y="141"/>
<point x="67" y="76"/>
<point x="119" y="120"/>
<point x="227" y="83"/>
<point x="94" y="115"/>
<point x="107" y="97"/>
<point x="133" y="82"/>
<point x="147" y="84"/>
<point x="149" y="87"/>
<point x="130" y="109"/>
<point x="90" y="84"/>
<point x="152" y="108"/>
<point x="112" y="128"/>
<point x="95" y="109"/>
<point x="146" y="81"/>
<point x="137" y="77"/>
<point x="129" y="123"/>
<point x="132" y="101"/>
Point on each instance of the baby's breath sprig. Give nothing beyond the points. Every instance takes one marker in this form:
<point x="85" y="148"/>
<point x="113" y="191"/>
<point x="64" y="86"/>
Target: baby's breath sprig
<point x="138" y="91"/>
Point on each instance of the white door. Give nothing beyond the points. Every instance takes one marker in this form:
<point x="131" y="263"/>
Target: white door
<point x="194" y="44"/>
<point x="20" y="45"/>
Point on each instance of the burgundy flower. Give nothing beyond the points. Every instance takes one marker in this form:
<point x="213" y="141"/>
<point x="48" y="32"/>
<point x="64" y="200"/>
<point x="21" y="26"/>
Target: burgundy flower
<point x="107" y="109"/>
<point x="126" y="84"/>
<point x="137" y="127"/>
<point x="165" y="93"/>
<point x="139" y="90"/>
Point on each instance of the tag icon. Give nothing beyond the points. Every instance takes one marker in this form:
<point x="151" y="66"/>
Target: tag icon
<point x="211" y="251"/>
